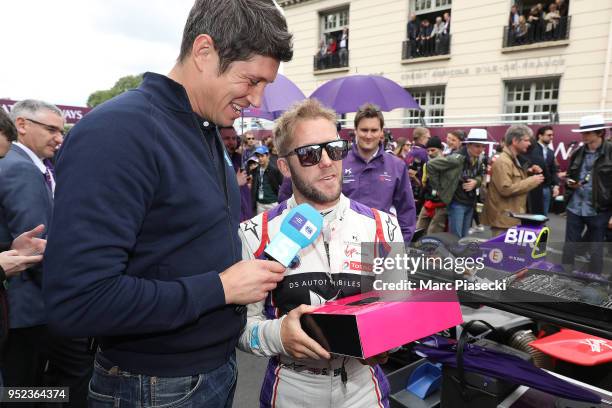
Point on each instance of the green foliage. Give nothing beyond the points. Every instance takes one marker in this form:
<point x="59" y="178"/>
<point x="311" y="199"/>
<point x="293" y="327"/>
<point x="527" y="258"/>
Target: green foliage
<point x="122" y="85"/>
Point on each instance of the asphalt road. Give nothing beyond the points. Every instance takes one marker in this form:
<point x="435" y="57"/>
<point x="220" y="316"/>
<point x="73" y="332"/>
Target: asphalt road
<point x="251" y="370"/>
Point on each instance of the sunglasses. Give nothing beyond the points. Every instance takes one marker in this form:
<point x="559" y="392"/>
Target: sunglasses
<point x="310" y="155"/>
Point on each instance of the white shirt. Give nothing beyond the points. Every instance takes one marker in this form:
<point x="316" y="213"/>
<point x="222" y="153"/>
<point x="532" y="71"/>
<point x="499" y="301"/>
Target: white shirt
<point x="544" y="149"/>
<point x="38" y="162"/>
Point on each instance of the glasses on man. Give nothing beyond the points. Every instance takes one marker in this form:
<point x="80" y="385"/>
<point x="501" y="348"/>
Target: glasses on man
<point x="310" y="155"/>
<point x="49" y="128"/>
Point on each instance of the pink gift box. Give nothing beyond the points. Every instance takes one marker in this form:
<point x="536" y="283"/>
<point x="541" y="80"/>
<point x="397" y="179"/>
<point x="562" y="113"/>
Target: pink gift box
<point x="374" y="322"/>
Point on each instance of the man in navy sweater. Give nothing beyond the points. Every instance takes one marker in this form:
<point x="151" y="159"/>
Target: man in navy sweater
<point x="143" y="252"/>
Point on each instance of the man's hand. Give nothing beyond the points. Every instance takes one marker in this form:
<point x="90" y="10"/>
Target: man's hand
<point x="375" y="360"/>
<point x="555" y="191"/>
<point x="27" y="243"/>
<point x="470" y="185"/>
<point x="573" y="184"/>
<point x="538" y="177"/>
<point x="13" y="263"/>
<point x="241" y="176"/>
<point x="535" y="169"/>
<point x="610" y="223"/>
<point x="295" y="340"/>
<point x="250" y="281"/>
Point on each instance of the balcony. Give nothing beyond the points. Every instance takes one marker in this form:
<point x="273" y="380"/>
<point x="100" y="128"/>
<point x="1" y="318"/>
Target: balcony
<point x="337" y="60"/>
<point x="415" y="50"/>
<point x="537" y="35"/>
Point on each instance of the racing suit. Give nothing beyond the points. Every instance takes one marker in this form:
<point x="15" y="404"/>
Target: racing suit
<point x="330" y="268"/>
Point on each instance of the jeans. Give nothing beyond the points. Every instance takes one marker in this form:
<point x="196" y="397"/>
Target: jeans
<point x="597" y="227"/>
<point x="547" y="196"/>
<point x="460" y="218"/>
<point x="117" y="388"/>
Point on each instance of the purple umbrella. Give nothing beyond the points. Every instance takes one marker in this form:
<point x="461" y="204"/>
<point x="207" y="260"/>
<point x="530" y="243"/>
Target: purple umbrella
<point x="347" y="94"/>
<point x="277" y="98"/>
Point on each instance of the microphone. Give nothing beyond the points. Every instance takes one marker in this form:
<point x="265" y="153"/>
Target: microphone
<point x="300" y="228"/>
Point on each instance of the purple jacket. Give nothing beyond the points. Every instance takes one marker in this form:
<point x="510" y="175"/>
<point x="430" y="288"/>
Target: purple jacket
<point x="286" y="190"/>
<point x="382" y="183"/>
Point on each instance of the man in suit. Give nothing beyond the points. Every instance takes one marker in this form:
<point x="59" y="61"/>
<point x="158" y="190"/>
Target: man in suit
<point x="33" y="356"/>
<point x="542" y="155"/>
<point x="24" y="252"/>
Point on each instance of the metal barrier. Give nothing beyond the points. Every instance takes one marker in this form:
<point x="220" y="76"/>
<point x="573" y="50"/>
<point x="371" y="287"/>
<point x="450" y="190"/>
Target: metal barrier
<point x="339" y="59"/>
<point x="438" y="45"/>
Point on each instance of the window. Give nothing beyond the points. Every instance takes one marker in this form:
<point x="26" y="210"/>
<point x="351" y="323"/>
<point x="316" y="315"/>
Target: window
<point x="532" y="96"/>
<point x="429" y="6"/>
<point x="332" y="50"/>
<point x="531" y="22"/>
<point x="428" y="29"/>
<point x="333" y="22"/>
<point x="431" y="101"/>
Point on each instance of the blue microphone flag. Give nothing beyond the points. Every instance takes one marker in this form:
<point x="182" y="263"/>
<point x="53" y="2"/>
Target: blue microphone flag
<point x="300" y="228"/>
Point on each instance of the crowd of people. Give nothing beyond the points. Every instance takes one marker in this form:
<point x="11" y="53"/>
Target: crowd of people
<point x="151" y="218"/>
<point x="426" y="38"/>
<point x="541" y="22"/>
<point x="333" y="51"/>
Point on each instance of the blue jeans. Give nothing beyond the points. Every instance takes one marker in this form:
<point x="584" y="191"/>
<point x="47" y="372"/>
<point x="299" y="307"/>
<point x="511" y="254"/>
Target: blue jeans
<point x="116" y="388"/>
<point x="460" y="218"/>
<point x="547" y="196"/>
<point x="596" y="229"/>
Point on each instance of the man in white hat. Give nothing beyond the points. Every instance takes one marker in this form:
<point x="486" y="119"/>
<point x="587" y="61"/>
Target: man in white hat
<point x="588" y="192"/>
<point x="510" y="182"/>
<point x="456" y="178"/>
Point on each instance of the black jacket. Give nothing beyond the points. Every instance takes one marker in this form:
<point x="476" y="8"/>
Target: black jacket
<point x="272" y="175"/>
<point x="601" y="176"/>
<point x="535" y="199"/>
<point x="146" y="217"/>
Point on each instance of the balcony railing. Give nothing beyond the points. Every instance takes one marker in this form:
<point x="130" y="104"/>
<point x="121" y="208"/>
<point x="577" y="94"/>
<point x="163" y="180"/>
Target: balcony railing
<point x="537" y="33"/>
<point x="438" y="45"/>
<point x="338" y="59"/>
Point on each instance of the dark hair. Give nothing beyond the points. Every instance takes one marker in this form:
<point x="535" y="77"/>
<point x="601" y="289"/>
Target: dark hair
<point x="543" y="130"/>
<point x="239" y="29"/>
<point x="7" y="127"/>
<point x="369" y="110"/>
<point x="459" y="134"/>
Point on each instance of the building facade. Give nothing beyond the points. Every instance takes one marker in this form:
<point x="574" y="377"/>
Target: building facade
<point x="552" y="65"/>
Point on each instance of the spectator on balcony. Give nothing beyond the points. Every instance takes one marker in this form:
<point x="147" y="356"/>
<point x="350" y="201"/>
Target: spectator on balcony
<point x="412" y="34"/>
<point x="562" y="7"/>
<point x="551" y="20"/>
<point x="514" y="18"/>
<point x="332" y="47"/>
<point x="445" y="38"/>
<point x="437" y="34"/>
<point x="521" y="31"/>
<point x="424" y="38"/>
<point x="343" y="44"/>
<point x="447" y="22"/>
<point x="321" y="54"/>
<point x="535" y="20"/>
